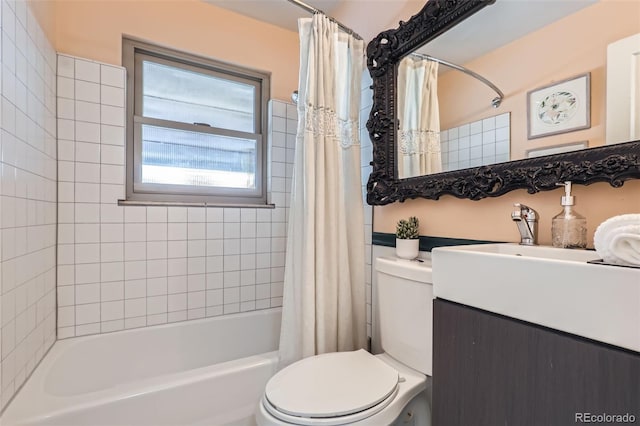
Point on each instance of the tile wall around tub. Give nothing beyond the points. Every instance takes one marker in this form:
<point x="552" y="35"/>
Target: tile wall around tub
<point x="27" y="196"/>
<point x="476" y="144"/>
<point x="136" y="266"/>
<point x="366" y="101"/>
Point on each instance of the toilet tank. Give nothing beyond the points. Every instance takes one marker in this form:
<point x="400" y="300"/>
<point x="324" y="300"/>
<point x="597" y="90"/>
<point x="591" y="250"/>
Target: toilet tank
<point x="405" y="311"/>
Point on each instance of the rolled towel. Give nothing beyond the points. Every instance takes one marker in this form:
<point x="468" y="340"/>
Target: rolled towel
<point x="617" y="240"/>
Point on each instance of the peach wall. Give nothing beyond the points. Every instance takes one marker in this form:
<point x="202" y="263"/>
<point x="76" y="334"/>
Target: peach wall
<point x="94" y="29"/>
<point x="45" y="13"/>
<point x="490" y="219"/>
<point x="376" y="19"/>
<point x="571" y="46"/>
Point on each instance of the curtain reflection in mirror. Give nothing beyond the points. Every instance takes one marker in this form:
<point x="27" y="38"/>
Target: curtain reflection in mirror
<point x="419" y="118"/>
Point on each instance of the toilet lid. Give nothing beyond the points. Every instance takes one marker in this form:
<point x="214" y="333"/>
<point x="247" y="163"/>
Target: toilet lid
<point x="331" y="385"/>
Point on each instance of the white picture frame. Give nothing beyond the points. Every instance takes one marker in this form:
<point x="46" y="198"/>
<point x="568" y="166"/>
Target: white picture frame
<point x="560" y="107"/>
<point x="556" y="149"/>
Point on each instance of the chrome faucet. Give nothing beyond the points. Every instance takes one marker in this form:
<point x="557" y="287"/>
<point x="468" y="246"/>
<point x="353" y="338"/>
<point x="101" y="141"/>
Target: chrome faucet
<point x="527" y="220"/>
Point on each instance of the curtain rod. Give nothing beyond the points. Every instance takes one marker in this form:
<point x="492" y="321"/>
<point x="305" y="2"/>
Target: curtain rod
<point x="314" y="10"/>
<point x="495" y="102"/>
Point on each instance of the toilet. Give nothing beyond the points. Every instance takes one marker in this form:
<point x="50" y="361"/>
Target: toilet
<point x="391" y="388"/>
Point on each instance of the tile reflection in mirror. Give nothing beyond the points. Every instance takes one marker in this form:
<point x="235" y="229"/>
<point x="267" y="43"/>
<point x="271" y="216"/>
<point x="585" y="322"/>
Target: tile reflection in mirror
<point x="478" y="143"/>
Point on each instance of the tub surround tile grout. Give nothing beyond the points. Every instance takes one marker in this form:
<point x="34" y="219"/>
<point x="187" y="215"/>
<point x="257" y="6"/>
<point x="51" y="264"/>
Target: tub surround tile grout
<point x="153" y="265"/>
<point x="28" y="198"/>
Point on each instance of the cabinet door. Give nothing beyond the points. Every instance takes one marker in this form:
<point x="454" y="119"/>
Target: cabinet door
<point x="489" y="370"/>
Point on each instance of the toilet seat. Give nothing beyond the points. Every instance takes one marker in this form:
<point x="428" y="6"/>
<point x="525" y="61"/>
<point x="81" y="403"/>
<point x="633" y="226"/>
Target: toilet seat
<point x="331" y="389"/>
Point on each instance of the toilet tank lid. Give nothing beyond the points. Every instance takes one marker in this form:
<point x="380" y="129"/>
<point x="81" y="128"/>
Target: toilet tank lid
<point x="413" y="270"/>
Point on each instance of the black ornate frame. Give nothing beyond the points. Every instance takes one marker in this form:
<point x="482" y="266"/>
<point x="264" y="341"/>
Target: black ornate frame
<point x="612" y="163"/>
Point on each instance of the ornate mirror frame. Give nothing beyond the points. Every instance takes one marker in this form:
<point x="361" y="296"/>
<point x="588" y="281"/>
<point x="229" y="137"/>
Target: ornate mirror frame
<point x="609" y="163"/>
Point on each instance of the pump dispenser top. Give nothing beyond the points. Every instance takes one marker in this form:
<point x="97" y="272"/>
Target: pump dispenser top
<point x="568" y="228"/>
<point x="567" y="199"/>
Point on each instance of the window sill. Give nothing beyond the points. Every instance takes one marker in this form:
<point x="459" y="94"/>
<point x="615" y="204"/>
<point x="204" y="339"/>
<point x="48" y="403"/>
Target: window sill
<point x="186" y="204"/>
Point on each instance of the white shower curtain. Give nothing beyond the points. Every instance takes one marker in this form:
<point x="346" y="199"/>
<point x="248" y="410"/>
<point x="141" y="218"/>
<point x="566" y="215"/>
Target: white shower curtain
<point x="419" y="118"/>
<point x="324" y="297"/>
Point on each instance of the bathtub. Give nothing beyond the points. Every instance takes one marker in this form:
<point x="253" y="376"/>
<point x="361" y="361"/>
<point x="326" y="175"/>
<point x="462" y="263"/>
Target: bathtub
<point x="203" y="372"/>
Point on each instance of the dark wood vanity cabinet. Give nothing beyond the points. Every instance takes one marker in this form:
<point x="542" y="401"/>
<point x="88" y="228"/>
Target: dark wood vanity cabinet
<point x="490" y="370"/>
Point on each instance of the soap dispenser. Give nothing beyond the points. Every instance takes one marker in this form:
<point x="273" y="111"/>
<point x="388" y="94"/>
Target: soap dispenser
<point x="568" y="228"/>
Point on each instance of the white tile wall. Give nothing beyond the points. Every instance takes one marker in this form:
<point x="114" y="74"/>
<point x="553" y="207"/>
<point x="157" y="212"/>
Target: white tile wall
<point x="27" y="196"/>
<point x="476" y="144"/>
<point x="366" y="101"/>
<point x="134" y="266"/>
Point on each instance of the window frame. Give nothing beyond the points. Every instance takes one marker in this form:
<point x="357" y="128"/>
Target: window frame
<point x="133" y="53"/>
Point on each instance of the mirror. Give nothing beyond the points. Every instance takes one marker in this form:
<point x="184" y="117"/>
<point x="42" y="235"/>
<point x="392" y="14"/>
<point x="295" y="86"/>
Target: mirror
<point x="389" y="48"/>
<point x="419" y="147"/>
<point x="423" y="146"/>
<point x="623" y="89"/>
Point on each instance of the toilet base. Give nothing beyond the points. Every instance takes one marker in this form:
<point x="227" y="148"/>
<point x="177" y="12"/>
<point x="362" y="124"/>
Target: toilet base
<point x="418" y="411"/>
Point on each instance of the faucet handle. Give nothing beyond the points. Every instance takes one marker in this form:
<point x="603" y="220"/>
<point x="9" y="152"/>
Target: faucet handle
<point x="527" y="220"/>
<point x="517" y="214"/>
<point x="523" y="212"/>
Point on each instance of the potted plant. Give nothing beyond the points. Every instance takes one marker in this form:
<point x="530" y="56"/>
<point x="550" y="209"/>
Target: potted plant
<point x="407" y="238"/>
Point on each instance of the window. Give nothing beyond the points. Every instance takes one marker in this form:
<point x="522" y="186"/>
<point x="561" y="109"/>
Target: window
<point x="196" y="128"/>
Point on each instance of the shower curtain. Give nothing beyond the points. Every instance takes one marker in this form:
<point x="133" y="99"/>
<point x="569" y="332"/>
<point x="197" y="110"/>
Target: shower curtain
<point x="324" y="291"/>
<point x="419" y="118"/>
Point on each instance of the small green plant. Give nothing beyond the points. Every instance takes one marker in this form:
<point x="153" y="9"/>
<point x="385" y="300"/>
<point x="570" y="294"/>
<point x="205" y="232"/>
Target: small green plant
<point x="408" y="229"/>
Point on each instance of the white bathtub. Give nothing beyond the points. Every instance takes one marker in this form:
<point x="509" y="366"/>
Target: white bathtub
<point x="203" y="372"/>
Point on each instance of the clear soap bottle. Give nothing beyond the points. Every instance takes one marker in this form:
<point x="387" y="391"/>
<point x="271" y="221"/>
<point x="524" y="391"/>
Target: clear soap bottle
<point x="568" y="228"/>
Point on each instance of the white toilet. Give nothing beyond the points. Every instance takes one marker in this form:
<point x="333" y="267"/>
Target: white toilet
<point x="359" y="388"/>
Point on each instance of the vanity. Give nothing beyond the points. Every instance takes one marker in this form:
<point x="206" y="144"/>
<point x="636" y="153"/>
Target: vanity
<point x="531" y="335"/>
<point x="490" y="369"/>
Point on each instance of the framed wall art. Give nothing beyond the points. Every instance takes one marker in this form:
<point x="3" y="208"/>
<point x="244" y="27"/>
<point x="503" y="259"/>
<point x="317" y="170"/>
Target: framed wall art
<point x="556" y="149"/>
<point x="563" y="106"/>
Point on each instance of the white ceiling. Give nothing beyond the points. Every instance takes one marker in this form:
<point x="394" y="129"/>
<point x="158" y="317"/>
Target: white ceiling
<point x="492" y="27"/>
<point x="277" y="12"/>
<point x="366" y="17"/>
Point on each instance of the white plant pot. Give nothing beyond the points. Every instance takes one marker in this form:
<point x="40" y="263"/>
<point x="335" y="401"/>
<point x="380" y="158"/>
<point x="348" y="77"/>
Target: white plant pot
<point x="407" y="249"/>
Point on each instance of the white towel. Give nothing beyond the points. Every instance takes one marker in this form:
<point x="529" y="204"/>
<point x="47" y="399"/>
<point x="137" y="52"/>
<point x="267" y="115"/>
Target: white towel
<point x="617" y="240"/>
